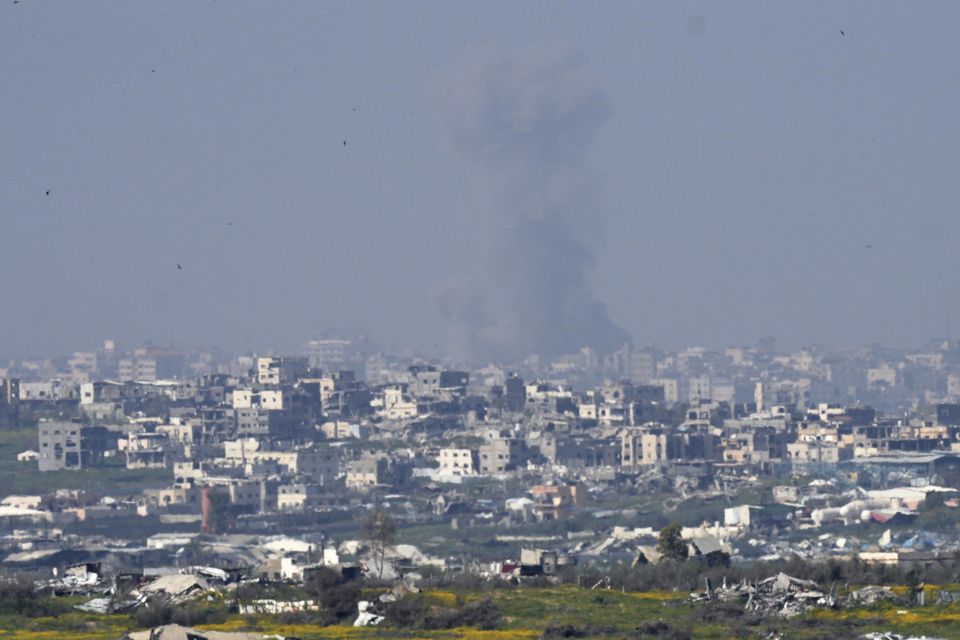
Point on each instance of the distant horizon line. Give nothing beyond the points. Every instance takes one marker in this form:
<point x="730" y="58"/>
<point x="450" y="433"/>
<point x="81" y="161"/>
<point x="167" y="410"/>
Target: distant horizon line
<point x="375" y="347"/>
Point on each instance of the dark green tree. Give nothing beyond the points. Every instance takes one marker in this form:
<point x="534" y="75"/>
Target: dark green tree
<point x="19" y="595"/>
<point x="338" y="596"/>
<point x="933" y="501"/>
<point x="671" y="545"/>
<point x="223" y="514"/>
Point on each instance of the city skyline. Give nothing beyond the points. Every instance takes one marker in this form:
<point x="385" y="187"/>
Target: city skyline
<point x="479" y="319"/>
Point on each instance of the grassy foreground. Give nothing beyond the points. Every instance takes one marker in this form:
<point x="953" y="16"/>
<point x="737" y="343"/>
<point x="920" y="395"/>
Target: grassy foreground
<point x="527" y="611"/>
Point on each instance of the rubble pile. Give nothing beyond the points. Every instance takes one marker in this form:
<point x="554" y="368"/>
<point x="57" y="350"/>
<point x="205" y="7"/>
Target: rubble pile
<point x="366" y="616"/>
<point x="780" y="596"/>
<point x="176" y="588"/>
<point x="872" y="595"/>
<point x="886" y="635"/>
<point x="81" y="579"/>
<point x="370" y="613"/>
<point x="785" y="596"/>
<point x="177" y="632"/>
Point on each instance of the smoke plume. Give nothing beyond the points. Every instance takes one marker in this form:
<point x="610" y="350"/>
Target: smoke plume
<point x="523" y="121"/>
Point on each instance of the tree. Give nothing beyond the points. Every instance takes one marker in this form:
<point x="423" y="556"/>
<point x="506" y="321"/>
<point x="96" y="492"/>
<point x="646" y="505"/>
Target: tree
<point x="671" y="545"/>
<point x="380" y="532"/>
<point x="19" y="595"/>
<point x="717" y="559"/>
<point x="933" y="501"/>
<point x="338" y="596"/>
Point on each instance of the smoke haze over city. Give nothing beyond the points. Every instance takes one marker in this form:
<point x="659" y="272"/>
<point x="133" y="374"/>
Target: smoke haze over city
<point x="477" y="179"/>
<point x="524" y="118"/>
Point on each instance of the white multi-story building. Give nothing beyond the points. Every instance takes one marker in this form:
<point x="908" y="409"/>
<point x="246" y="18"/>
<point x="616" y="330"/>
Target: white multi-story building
<point x="458" y="462"/>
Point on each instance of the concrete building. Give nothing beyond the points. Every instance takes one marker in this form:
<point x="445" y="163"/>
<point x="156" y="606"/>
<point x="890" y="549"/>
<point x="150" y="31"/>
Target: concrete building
<point x="499" y="454"/>
<point x="884" y="375"/>
<point x="662" y="445"/>
<point x="145" y="450"/>
<point x="320" y="464"/>
<point x="366" y="472"/>
<point x="276" y="371"/>
<point x="257" y="422"/>
<point x="458" y="462"/>
<point x="297" y="497"/>
<point x="396" y="406"/>
<point x="68" y="445"/>
<point x="9" y="402"/>
<point x="149" y="364"/>
<point x="515" y="394"/>
<point x="270" y="399"/>
<point x="342" y="430"/>
<point x="631" y="447"/>
<point x="671" y="388"/>
<point x="807" y="452"/>
<point x="46" y="391"/>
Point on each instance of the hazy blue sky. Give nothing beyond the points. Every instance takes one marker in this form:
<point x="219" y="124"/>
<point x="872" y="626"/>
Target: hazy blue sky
<point x="747" y="155"/>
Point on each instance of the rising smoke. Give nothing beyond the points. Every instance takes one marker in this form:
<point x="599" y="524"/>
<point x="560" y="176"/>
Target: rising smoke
<point x="523" y="121"/>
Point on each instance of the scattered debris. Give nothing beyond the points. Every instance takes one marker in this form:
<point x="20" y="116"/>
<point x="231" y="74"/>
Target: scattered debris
<point x="175" y="588"/>
<point x="366" y="616"/>
<point x="279" y="606"/>
<point x="887" y="635"/>
<point x="873" y="595"/>
<point x="785" y="596"/>
<point x="948" y="597"/>
<point x="177" y="632"/>
<point x="96" y="605"/>
<point x="780" y="596"/>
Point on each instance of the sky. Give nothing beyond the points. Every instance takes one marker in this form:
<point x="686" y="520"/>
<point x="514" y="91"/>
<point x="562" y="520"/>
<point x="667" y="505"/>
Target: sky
<point x="740" y="169"/>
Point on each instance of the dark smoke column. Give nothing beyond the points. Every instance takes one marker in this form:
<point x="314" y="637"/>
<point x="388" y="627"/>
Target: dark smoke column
<point x="523" y="120"/>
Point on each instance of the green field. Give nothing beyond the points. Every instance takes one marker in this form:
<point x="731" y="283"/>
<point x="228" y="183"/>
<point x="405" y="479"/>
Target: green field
<point x="527" y="611"/>
<point x="23" y="478"/>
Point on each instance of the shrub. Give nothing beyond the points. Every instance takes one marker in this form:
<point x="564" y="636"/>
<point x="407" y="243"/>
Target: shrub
<point x="341" y="600"/>
<point x="153" y="614"/>
<point x="194" y="613"/>
<point x="660" y="630"/>
<point x="415" y="612"/>
<point x="321" y="579"/>
<point x="555" y="631"/>
<point x="338" y="596"/>
<point x="18" y="595"/>
<point x="158" y="613"/>
<point x="721" y="611"/>
<point x="483" y="614"/>
<point x="322" y="618"/>
<point x="409" y="612"/>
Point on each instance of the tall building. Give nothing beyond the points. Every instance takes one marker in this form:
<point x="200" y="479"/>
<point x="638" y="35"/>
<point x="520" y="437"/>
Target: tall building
<point x="515" y="394"/>
<point x="9" y="403"/>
